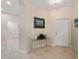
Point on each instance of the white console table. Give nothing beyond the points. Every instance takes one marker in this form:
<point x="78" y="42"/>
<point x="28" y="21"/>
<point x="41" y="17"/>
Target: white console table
<point x="33" y="40"/>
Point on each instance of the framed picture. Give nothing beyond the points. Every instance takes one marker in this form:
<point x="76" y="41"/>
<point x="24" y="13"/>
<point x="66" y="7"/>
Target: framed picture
<point x="76" y="22"/>
<point x="39" y="22"/>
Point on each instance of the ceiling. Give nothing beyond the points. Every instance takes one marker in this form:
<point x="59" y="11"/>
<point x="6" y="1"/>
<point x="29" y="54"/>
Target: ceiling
<point x="12" y="8"/>
<point x="47" y="4"/>
<point x="43" y="4"/>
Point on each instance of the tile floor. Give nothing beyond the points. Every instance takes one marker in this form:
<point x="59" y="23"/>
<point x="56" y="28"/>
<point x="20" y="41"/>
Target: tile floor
<point x="52" y="53"/>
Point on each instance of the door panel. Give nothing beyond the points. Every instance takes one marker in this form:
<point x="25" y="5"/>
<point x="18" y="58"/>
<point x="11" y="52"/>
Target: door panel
<point x="61" y="33"/>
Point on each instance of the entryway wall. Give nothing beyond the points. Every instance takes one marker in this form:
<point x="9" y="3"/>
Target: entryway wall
<point x="74" y="29"/>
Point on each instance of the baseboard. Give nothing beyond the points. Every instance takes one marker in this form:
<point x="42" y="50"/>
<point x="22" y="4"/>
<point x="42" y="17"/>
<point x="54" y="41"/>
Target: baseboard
<point x="25" y="51"/>
<point x="54" y="45"/>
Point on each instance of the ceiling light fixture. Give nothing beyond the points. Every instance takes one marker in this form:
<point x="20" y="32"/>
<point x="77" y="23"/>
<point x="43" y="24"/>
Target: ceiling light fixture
<point x="55" y="1"/>
<point x="8" y="2"/>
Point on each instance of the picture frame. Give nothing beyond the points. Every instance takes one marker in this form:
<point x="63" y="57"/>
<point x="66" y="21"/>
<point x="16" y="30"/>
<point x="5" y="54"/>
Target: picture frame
<point x="76" y="22"/>
<point x="39" y="22"/>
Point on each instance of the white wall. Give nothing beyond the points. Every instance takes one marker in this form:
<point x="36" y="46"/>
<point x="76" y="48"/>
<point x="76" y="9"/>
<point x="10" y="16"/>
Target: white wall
<point x="24" y="26"/>
<point x="74" y="29"/>
<point x="27" y="31"/>
<point x="40" y="14"/>
<point x="36" y="31"/>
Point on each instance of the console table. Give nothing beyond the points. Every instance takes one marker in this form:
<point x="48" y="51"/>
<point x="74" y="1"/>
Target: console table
<point x="33" y="40"/>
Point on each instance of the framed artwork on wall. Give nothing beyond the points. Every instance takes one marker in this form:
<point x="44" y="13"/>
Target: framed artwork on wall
<point x="76" y="22"/>
<point x="39" y="22"/>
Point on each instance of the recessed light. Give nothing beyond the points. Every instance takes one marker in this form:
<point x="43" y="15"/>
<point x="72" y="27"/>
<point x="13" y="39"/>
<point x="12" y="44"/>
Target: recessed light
<point x="8" y="2"/>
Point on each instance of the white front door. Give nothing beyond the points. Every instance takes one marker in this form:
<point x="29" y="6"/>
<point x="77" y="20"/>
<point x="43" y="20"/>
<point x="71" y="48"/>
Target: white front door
<point x="61" y="33"/>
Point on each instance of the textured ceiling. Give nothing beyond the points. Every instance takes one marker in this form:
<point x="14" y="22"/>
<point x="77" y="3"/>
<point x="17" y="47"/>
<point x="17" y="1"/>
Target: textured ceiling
<point x="43" y="4"/>
<point x="46" y="4"/>
<point x="13" y="7"/>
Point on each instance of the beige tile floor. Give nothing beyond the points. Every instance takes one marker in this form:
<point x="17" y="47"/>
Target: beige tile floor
<point x="52" y="53"/>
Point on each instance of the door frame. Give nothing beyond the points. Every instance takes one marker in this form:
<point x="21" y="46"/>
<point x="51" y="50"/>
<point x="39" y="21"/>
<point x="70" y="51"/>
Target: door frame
<point x="69" y="31"/>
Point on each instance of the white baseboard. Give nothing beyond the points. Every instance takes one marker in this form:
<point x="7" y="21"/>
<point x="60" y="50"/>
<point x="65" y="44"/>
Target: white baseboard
<point x="54" y="45"/>
<point x="25" y="51"/>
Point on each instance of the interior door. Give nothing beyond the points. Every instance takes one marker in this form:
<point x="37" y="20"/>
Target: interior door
<point x="61" y="33"/>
